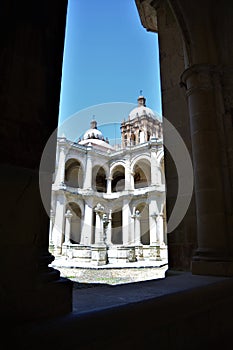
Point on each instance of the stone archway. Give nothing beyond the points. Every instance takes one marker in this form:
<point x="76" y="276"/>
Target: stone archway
<point x="99" y="182"/>
<point x="73" y="173"/>
<point x="118" y="178"/>
<point x="142" y="173"/>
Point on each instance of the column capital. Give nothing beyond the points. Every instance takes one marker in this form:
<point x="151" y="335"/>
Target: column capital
<point x="99" y="209"/>
<point x="136" y="215"/>
<point x="199" y="77"/>
<point x="68" y="214"/>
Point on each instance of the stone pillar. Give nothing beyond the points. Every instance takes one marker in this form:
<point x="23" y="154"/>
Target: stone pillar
<point x="137" y="229"/>
<point x="128" y="175"/>
<point x="60" y="176"/>
<point x="109" y="185"/>
<point x="125" y="222"/>
<point x="58" y="226"/>
<point x="153" y="229"/>
<point x="137" y="136"/>
<point x="99" y="249"/>
<point x="86" y="232"/>
<point x="142" y="137"/>
<point x="87" y="184"/>
<point x="51" y="228"/>
<point x="159" y="229"/>
<point x="109" y="229"/>
<point x="155" y="168"/>
<point x="132" y="228"/>
<point x="211" y="257"/>
<point x="68" y="216"/>
<point x="99" y="233"/>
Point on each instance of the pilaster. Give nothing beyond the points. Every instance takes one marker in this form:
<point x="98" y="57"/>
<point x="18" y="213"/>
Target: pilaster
<point x="212" y="255"/>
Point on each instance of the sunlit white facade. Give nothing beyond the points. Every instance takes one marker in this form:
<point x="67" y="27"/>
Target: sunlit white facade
<point x="108" y="203"/>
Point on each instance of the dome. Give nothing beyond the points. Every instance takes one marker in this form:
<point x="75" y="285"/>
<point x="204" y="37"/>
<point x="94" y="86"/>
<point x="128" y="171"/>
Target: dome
<point x="94" y="137"/>
<point x="141" y="111"/>
<point x="93" y="134"/>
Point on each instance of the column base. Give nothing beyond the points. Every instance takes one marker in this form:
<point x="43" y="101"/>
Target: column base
<point x="99" y="255"/>
<point x="139" y="252"/>
<point x="213" y="268"/>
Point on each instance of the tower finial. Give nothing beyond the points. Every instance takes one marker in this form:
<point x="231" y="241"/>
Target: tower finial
<point x="141" y="100"/>
<point x="93" y="123"/>
<point x="140" y="93"/>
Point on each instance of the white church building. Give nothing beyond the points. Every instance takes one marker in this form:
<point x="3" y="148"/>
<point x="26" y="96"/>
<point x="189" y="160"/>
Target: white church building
<point x="108" y="201"/>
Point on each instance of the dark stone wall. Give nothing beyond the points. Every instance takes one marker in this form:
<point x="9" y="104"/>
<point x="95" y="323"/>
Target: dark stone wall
<point x="31" y="54"/>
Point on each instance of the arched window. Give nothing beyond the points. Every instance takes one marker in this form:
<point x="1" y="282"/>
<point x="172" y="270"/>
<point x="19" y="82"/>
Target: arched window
<point x="133" y="139"/>
<point x="99" y="182"/>
<point x="73" y="173"/>
<point x="142" y="174"/>
<point x="118" y="179"/>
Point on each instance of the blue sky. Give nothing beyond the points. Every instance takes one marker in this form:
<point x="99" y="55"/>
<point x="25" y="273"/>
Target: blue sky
<point x="108" y="58"/>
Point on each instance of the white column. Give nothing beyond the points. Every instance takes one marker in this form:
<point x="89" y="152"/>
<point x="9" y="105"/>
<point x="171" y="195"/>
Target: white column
<point x="155" y="171"/>
<point x="86" y="232"/>
<point x="160" y="236"/>
<point x="142" y="137"/>
<point x="60" y="176"/>
<point x="88" y="172"/>
<point x="137" y="229"/>
<point x="99" y="234"/>
<point x="125" y="222"/>
<point x="128" y="175"/>
<point x="109" y="185"/>
<point x="51" y="227"/>
<point x="68" y="216"/>
<point x="152" y="221"/>
<point x="132" y="227"/>
<point x="58" y="226"/>
<point x="109" y="229"/>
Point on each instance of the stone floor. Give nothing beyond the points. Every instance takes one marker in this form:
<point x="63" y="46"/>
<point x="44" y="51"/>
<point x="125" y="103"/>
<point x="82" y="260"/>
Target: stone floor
<point x="110" y="274"/>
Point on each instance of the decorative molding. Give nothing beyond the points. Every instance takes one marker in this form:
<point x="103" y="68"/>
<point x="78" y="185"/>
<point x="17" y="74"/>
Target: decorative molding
<point x="148" y="15"/>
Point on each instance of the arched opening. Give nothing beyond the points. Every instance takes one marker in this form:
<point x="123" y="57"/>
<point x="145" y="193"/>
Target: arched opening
<point x="143" y="209"/>
<point x="133" y="139"/>
<point x="121" y="224"/>
<point x="75" y="228"/>
<point x="73" y="173"/>
<point x="99" y="182"/>
<point x="118" y="179"/>
<point x="142" y="174"/>
<point x="117" y="227"/>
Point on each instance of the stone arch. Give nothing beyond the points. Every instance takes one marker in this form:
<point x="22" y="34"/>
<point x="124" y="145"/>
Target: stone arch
<point x="133" y="139"/>
<point x="142" y="172"/>
<point x="118" y="178"/>
<point x="73" y="173"/>
<point x="99" y="182"/>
